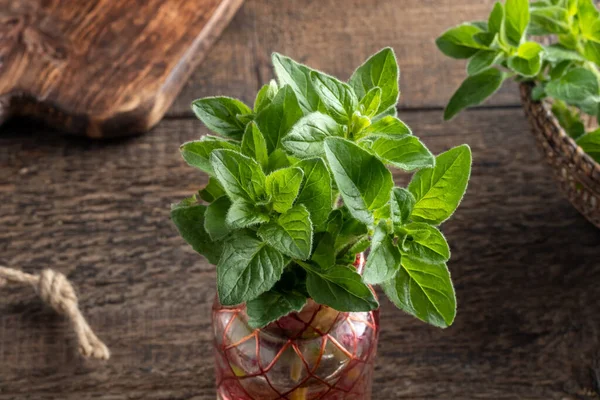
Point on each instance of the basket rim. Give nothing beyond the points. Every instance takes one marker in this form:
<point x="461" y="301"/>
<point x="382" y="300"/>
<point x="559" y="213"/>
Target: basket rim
<point x="562" y="134"/>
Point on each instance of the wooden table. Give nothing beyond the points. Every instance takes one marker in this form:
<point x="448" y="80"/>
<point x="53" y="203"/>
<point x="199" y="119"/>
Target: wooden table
<point x="525" y="263"/>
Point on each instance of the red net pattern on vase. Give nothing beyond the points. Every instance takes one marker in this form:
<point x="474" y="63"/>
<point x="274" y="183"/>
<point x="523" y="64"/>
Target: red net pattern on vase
<point x="317" y="353"/>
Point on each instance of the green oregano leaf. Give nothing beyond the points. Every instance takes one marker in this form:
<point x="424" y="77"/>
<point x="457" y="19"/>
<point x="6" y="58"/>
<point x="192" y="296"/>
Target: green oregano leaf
<point x="241" y="177"/>
<point x="212" y="191"/>
<point x="548" y="21"/>
<point x="578" y="87"/>
<point x="430" y="247"/>
<point x="272" y="305"/>
<point x="337" y="97"/>
<point x="496" y="19"/>
<point x="216" y="214"/>
<point x="458" y="42"/>
<point x="382" y="213"/>
<point x="364" y="182"/>
<point x="591" y="51"/>
<point x="277" y="119"/>
<point x="248" y="268"/>
<point x="197" y="152"/>
<point x="380" y="70"/>
<point x="219" y="114"/>
<point x="390" y="112"/>
<point x="402" y="204"/>
<point x="335" y="222"/>
<point x="324" y="255"/>
<point x="407" y="153"/>
<point x="588" y="16"/>
<point x="516" y="19"/>
<point x="339" y="287"/>
<point x="487" y="40"/>
<point x="529" y="50"/>
<point x="277" y="160"/>
<point x="254" y="145"/>
<point x="265" y="96"/>
<point x="306" y="138"/>
<point x="590" y="143"/>
<point x="291" y="234"/>
<point x="351" y="232"/>
<point x="189" y="220"/>
<point x="369" y="105"/>
<point x="316" y="193"/>
<point x="384" y="260"/>
<point x="474" y="90"/>
<point x="242" y="214"/>
<point x="360" y="246"/>
<point x="439" y="190"/>
<point x="482" y="60"/>
<point x="297" y="76"/>
<point x="283" y="186"/>
<point x="423" y="290"/>
<point x="358" y="123"/>
<point x="526" y="68"/>
<point x="386" y="126"/>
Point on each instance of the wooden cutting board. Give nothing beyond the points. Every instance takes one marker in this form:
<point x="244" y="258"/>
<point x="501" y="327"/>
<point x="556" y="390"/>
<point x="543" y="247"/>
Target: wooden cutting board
<point x="102" y="68"/>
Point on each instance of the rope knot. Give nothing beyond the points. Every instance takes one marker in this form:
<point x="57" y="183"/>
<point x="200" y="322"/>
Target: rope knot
<point x="56" y="291"/>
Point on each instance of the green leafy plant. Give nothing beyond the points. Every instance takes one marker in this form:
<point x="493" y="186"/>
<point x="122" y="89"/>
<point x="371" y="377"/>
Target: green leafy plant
<point x="565" y="71"/>
<point x="299" y="185"/>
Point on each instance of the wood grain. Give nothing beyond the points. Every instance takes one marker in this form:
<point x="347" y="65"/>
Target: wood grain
<point x="337" y="36"/>
<point x="101" y="67"/>
<point x="524" y="264"/>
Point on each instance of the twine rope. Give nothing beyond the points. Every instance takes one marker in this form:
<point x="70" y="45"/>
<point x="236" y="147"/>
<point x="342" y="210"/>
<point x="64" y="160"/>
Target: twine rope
<point x="55" y="290"/>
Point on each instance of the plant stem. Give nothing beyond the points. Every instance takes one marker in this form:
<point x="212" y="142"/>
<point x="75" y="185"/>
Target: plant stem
<point x="303" y="264"/>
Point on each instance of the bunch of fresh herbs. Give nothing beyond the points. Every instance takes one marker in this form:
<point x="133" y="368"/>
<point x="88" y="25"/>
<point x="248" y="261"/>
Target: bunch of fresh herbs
<point x="299" y="185"/>
<point x="565" y="71"/>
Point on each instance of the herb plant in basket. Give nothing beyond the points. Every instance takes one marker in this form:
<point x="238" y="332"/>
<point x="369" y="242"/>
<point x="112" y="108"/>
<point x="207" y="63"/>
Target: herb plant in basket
<point x="559" y="79"/>
<point x="299" y="189"/>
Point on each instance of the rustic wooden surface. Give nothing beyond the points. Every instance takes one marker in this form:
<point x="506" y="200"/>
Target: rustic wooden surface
<point x="102" y="67"/>
<point x="524" y="261"/>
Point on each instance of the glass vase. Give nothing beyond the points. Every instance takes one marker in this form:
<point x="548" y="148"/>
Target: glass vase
<point x="317" y="353"/>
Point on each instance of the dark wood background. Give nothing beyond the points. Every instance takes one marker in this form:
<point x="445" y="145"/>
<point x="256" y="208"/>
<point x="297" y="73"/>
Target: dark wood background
<point x="525" y="263"/>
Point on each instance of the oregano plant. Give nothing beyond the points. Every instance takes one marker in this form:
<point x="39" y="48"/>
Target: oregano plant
<point x="302" y="182"/>
<point x="564" y="69"/>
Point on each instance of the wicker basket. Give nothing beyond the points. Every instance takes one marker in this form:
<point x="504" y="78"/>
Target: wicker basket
<point x="578" y="175"/>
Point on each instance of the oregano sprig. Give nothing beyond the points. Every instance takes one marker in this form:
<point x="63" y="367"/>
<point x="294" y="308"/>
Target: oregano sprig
<point x="565" y="71"/>
<point x="301" y="183"/>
